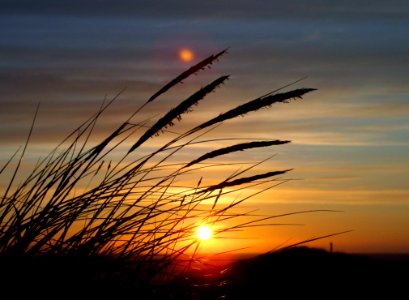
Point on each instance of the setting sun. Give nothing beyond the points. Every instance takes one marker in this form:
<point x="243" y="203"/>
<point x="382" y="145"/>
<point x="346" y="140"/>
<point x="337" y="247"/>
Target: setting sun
<point x="186" y="55"/>
<point x="204" y="232"/>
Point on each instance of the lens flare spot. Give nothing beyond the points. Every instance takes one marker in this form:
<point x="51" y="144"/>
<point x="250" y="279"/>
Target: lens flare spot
<point x="186" y="55"/>
<point x="204" y="232"/>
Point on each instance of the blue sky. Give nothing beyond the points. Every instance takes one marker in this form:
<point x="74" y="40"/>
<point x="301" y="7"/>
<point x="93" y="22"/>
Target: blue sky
<point x="350" y="138"/>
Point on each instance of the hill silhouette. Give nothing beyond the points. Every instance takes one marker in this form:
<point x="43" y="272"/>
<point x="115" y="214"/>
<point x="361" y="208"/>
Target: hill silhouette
<point x="290" y="274"/>
<point x="316" y="274"/>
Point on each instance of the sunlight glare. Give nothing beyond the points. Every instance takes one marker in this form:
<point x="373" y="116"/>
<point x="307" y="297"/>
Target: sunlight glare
<point x="204" y="232"/>
<point x="186" y="55"/>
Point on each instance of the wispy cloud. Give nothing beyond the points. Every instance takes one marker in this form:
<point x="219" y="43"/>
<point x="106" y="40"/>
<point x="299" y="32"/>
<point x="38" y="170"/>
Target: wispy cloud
<point x="222" y="8"/>
<point x="338" y="197"/>
<point x="350" y="141"/>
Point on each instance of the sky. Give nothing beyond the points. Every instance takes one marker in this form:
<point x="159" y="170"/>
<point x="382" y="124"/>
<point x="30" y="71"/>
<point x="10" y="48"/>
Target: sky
<point x="350" y="138"/>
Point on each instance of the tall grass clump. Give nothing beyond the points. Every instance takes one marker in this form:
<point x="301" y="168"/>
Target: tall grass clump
<point x="117" y="202"/>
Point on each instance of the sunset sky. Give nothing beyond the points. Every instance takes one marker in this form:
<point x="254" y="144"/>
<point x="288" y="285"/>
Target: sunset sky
<point x="350" y="138"/>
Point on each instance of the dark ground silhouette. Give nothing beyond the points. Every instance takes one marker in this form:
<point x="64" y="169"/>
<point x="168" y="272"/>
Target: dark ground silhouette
<point x="317" y="274"/>
<point x="292" y="274"/>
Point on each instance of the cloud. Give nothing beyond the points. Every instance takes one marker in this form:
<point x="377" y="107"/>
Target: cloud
<point x="341" y="196"/>
<point x="314" y="9"/>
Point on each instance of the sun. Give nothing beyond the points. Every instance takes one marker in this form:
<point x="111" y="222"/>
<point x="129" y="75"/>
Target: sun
<point x="204" y="232"/>
<point x="186" y="55"/>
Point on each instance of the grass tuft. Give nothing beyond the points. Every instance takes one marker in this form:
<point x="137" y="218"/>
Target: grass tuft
<point x="94" y="201"/>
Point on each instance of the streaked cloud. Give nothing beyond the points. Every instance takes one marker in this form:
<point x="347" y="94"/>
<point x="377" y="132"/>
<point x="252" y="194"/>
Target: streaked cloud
<point x="222" y="8"/>
<point x="339" y="197"/>
<point x="350" y="137"/>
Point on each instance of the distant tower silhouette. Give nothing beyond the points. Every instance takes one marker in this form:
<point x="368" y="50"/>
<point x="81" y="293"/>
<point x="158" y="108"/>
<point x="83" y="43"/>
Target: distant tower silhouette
<point x="331" y="247"/>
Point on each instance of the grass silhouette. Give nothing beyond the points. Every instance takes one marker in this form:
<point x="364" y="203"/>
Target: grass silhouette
<point x="87" y="219"/>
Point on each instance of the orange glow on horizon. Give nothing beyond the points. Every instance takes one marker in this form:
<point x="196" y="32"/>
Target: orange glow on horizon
<point x="186" y="55"/>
